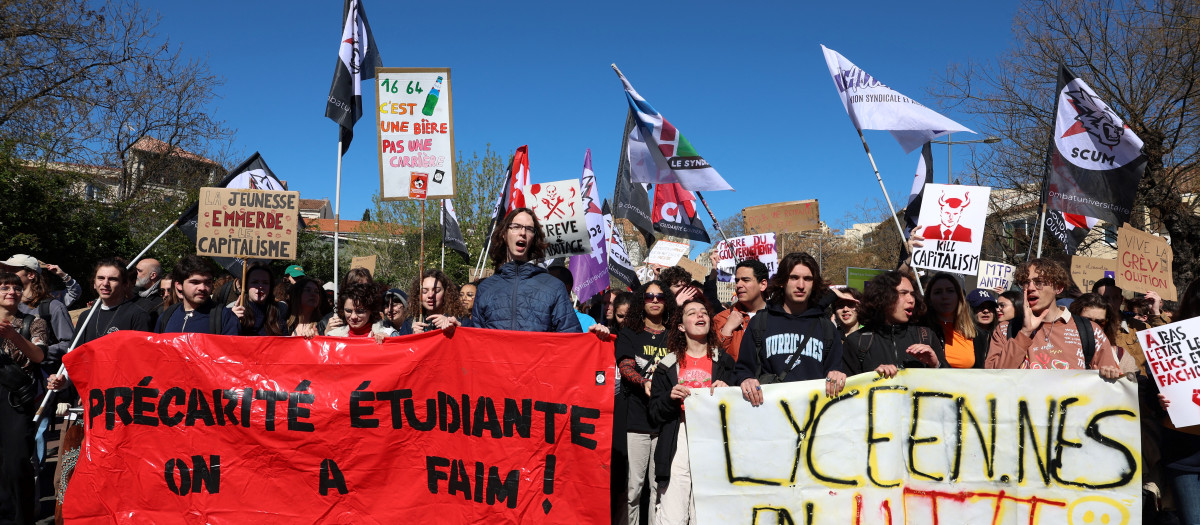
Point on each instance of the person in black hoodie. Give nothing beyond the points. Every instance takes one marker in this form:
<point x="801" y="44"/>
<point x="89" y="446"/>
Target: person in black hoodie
<point x="792" y="339"/>
<point x="694" y="363"/>
<point x="889" y="342"/>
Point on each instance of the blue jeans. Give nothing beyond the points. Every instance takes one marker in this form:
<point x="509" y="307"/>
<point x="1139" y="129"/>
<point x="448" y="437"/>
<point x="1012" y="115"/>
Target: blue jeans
<point x="1187" y="495"/>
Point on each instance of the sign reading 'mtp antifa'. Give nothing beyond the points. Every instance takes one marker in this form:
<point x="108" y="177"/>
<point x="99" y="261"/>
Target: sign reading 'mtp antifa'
<point x="486" y="426"/>
<point x="247" y="223"/>
<point x="928" y="446"/>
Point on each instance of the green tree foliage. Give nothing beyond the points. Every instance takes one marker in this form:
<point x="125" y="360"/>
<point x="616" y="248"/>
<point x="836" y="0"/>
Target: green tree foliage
<point x="47" y="217"/>
<point x="396" y="231"/>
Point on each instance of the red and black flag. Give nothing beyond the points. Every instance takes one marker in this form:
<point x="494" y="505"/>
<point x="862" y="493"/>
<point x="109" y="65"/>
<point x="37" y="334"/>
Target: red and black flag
<point x="1096" y="161"/>
<point x="357" y="59"/>
<point x="1069" y="229"/>
<point x="674" y="213"/>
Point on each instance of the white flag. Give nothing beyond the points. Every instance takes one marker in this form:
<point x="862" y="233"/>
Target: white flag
<point x="872" y="105"/>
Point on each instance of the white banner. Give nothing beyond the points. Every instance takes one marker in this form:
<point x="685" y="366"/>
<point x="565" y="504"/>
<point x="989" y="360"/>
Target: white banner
<point x="559" y="208"/>
<point x="928" y="446"/>
<point x="738" y="249"/>
<point x="872" y="105"/>
<point x="951" y="222"/>
<point x="1173" y="357"/>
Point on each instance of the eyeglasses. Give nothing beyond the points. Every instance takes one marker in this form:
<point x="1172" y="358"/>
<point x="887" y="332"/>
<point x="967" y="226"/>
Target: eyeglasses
<point x="655" y="297"/>
<point x="8" y="288"/>
<point x="1037" y="283"/>
<point x="518" y="227"/>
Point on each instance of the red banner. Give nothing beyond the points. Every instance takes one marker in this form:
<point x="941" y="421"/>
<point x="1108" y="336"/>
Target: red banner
<point x="487" y="426"/>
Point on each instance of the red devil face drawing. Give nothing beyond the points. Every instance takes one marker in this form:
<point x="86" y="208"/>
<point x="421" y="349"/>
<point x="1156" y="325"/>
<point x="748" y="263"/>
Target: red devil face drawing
<point x="951" y="209"/>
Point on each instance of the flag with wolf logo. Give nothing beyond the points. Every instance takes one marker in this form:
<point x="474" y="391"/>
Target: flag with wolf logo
<point x="1096" y="161"/>
<point x="357" y="59"/>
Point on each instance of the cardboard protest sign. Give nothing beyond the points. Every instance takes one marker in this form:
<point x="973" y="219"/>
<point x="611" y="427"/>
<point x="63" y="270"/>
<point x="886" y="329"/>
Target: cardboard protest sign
<point x="698" y="271"/>
<point x="559" y="208"/>
<point x="416" y="131"/>
<point x="857" y="277"/>
<point x="1144" y="263"/>
<point x="666" y="253"/>
<point x="238" y="430"/>
<point x="738" y="249"/>
<point x="1085" y="271"/>
<point x="951" y="222"/>
<point x="781" y="217"/>
<point x="1173" y="357"/>
<point x="928" y="446"/>
<point x="246" y="223"/>
<point x="995" y="275"/>
<point x="367" y="261"/>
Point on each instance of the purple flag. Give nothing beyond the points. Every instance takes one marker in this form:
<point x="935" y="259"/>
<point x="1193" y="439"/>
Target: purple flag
<point x="590" y="271"/>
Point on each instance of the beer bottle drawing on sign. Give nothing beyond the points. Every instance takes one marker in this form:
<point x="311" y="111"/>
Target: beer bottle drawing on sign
<point x="431" y="99"/>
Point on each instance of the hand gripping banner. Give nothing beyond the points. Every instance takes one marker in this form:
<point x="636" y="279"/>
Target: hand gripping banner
<point x="486" y="426"/>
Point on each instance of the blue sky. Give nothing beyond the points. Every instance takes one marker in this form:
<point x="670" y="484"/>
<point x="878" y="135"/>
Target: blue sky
<point x="744" y="81"/>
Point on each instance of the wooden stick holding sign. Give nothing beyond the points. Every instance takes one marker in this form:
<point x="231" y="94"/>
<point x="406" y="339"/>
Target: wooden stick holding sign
<point x="242" y="295"/>
<point x="417" y="189"/>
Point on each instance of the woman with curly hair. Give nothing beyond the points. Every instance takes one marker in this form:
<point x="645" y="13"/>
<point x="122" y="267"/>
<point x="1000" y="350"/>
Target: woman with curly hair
<point x="694" y="361"/>
<point x="435" y="305"/>
<point x="890" y="339"/>
<point x="360" y="307"/>
<point x="641" y="343"/>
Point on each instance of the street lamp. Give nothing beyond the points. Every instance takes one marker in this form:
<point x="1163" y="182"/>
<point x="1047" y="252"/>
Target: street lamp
<point x="949" y="142"/>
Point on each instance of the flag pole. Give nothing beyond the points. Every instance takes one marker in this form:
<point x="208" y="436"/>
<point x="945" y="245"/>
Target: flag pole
<point x="442" y="221"/>
<point x="62" y="369"/>
<point x="337" y="216"/>
<point x="421" y="265"/>
<point x="716" y="224"/>
<point x="891" y="207"/>
<point x="499" y="216"/>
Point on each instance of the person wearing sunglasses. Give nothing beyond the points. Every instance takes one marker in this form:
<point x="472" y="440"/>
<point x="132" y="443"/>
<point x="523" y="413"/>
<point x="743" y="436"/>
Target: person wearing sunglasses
<point x="1051" y="337"/>
<point x="521" y="295"/>
<point x="641" y="343"/>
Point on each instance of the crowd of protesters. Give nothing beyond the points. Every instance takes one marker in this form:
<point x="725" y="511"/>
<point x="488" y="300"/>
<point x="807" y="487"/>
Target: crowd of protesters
<point x="673" y="338"/>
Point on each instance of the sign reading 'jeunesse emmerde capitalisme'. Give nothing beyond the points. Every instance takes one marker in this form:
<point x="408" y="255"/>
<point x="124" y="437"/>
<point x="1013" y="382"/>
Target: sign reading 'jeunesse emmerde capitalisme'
<point x="246" y="223"/>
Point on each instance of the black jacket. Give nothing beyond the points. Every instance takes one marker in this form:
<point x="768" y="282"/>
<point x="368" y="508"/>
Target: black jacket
<point x="666" y="412"/>
<point x="872" y="346"/>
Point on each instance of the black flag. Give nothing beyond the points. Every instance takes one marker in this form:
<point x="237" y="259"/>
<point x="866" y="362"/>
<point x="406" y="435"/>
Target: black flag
<point x="251" y="174"/>
<point x="923" y="176"/>
<point x="619" y="265"/>
<point x="357" y="60"/>
<point x="451" y="233"/>
<point x="1095" y="161"/>
<point x="631" y="201"/>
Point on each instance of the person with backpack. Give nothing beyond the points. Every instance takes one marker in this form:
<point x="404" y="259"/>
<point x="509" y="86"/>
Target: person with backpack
<point x="22" y="347"/>
<point x="196" y="312"/>
<point x="792" y="339"/>
<point x="891" y="339"/>
<point x="1051" y="337"/>
<point x="36" y="300"/>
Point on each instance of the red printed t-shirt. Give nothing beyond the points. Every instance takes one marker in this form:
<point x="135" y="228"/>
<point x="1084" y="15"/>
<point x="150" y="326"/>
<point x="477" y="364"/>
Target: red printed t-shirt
<point x="696" y="372"/>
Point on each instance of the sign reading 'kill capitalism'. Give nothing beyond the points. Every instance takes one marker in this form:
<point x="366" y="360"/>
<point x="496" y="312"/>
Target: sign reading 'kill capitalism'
<point x="247" y="223"/>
